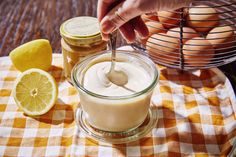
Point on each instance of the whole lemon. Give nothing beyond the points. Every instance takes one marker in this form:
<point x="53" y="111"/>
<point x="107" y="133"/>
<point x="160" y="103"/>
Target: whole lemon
<point x="34" y="54"/>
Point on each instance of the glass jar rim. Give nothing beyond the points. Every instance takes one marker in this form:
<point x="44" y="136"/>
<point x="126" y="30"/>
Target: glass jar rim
<point x="78" y="85"/>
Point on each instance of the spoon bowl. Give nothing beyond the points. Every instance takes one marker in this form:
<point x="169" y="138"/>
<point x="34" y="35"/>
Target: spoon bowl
<point x="117" y="77"/>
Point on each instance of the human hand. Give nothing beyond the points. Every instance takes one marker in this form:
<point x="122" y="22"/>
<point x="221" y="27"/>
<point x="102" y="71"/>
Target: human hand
<point x="125" y="15"/>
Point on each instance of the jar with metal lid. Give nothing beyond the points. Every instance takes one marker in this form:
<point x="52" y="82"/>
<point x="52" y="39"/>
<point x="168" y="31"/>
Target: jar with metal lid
<point x="81" y="37"/>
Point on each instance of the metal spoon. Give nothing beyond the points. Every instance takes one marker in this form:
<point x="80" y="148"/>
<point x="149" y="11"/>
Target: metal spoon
<point x="117" y="77"/>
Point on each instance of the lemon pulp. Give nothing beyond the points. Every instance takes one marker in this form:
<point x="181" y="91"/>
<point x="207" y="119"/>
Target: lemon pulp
<point x="35" y="92"/>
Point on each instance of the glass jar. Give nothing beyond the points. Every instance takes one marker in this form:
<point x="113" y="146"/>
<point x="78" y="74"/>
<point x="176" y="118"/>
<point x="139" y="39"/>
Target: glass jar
<point x="81" y="37"/>
<point x="115" y="117"/>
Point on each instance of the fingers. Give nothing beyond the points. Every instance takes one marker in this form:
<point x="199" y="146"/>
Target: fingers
<point x="118" y="16"/>
<point x="103" y="8"/>
<point x="140" y="26"/>
<point x="121" y="16"/>
<point x="127" y="31"/>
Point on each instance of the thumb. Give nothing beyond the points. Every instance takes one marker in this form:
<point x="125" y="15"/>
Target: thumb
<point x="118" y="16"/>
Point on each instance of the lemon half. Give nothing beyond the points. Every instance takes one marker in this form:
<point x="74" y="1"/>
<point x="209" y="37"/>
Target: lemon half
<point x="35" y="92"/>
<point x="34" y="54"/>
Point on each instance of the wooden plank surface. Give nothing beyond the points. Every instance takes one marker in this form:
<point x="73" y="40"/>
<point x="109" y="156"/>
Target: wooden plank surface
<point x="24" y="20"/>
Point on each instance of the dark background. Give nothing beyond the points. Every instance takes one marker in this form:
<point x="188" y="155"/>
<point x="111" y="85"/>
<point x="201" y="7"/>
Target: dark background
<point x="24" y="20"/>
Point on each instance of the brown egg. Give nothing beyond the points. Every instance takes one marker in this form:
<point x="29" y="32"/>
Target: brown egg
<point x="198" y="51"/>
<point x="153" y="28"/>
<point x="221" y="38"/>
<point x="188" y="33"/>
<point x="169" y="19"/>
<point x="149" y="17"/>
<point x="162" y="48"/>
<point x="202" y="16"/>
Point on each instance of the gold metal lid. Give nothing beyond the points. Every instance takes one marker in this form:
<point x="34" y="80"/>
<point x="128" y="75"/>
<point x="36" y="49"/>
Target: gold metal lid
<point x="81" y="31"/>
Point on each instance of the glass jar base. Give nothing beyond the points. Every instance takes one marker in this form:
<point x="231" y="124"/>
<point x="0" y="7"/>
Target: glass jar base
<point x="117" y="137"/>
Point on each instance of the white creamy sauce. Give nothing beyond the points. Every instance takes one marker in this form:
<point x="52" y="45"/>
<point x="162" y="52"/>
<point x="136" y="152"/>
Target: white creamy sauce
<point x="96" y="80"/>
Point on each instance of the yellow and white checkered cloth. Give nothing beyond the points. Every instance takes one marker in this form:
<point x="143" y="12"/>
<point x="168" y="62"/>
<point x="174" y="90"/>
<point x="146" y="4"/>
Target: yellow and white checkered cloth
<point x="196" y="118"/>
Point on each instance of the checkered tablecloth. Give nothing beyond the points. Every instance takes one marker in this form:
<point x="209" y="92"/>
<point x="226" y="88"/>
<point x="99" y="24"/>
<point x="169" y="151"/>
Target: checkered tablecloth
<point x="196" y="118"/>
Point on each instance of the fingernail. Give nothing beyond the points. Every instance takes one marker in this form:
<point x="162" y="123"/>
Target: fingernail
<point x="104" y="38"/>
<point x="107" y="26"/>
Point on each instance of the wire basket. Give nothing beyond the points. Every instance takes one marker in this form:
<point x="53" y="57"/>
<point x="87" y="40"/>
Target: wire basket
<point x="200" y="36"/>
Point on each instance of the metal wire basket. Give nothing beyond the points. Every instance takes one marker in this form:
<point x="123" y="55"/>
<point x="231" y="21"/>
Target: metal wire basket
<point x="211" y="44"/>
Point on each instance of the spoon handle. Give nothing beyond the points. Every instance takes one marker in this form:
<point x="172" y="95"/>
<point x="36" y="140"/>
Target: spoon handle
<point x="112" y="47"/>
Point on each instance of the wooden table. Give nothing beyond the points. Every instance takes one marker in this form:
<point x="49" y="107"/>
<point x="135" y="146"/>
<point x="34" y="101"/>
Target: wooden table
<point x="24" y="20"/>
